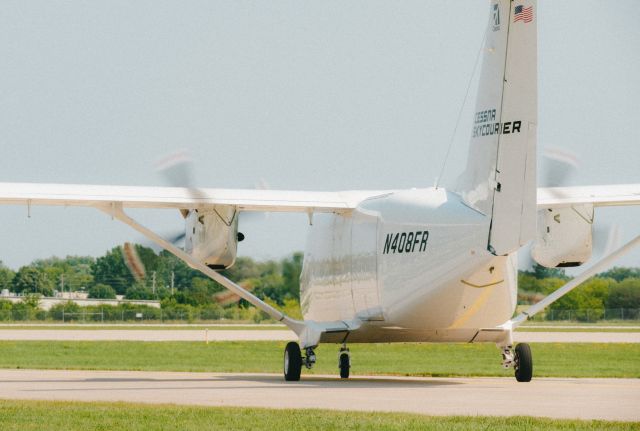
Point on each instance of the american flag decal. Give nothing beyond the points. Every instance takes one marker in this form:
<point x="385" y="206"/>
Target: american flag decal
<point x="524" y="14"/>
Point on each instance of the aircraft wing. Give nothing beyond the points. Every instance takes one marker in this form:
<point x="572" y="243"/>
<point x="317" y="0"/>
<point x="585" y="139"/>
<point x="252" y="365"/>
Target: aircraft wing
<point x="607" y="195"/>
<point x="268" y="200"/>
<point x="179" y="197"/>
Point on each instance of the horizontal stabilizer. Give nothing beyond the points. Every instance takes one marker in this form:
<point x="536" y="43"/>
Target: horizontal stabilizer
<point x="606" y="195"/>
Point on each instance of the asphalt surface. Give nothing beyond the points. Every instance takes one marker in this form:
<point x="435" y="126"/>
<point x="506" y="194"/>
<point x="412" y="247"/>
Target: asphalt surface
<point x="271" y="335"/>
<point x="608" y="399"/>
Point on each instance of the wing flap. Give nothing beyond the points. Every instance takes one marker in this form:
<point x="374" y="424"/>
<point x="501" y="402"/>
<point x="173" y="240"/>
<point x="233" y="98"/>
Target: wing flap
<point x="180" y="198"/>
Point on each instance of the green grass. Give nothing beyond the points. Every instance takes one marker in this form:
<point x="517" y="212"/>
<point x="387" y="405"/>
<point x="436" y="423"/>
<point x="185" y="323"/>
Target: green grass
<point x="231" y="327"/>
<point x="585" y="329"/>
<point x="612" y="322"/>
<point x="70" y="416"/>
<point x="410" y="359"/>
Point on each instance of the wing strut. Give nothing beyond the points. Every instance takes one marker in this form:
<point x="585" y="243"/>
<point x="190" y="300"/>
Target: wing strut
<point x="600" y="266"/>
<point x="116" y="211"/>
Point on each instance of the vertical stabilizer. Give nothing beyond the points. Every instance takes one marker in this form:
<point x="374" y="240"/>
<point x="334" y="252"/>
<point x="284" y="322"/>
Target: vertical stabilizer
<point x="500" y="177"/>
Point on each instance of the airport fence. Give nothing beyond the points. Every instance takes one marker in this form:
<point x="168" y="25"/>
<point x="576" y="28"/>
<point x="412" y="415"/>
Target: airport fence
<point x="182" y="313"/>
<point x="178" y="313"/>
<point x="589" y="315"/>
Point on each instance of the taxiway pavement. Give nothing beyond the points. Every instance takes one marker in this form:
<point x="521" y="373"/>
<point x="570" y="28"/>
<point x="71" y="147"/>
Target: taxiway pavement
<point x="608" y="399"/>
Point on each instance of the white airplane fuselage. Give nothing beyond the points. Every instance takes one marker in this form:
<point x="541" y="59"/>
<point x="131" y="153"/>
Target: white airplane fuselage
<point x="411" y="265"/>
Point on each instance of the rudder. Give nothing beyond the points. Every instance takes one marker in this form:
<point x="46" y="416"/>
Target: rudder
<point x="500" y="177"/>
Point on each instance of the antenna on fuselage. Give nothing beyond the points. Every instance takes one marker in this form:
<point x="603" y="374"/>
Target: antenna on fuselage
<point x="462" y="105"/>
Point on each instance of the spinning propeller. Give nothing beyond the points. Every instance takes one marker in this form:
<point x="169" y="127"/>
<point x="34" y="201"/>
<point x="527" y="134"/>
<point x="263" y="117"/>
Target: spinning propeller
<point x="177" y="171"/>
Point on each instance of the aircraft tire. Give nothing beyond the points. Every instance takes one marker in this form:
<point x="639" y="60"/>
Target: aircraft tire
<point x="292" y="362"/>
<point x="524" y="363"/>
<point x="344" y="365"/>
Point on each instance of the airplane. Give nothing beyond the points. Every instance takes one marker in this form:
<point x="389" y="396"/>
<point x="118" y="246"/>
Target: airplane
<point x="430" y="264"/>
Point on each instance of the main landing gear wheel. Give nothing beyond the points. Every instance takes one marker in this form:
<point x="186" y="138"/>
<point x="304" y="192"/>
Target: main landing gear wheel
<point x="344" y="362"/>
<point x="523" y="363"/>
<point x="292" y="362"/>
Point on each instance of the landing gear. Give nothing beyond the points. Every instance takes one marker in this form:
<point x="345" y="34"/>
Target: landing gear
<point x="310" y="359"/>
<point x="292" y="362"/>
<point x="344" y="362"/>
<point x="521" y="361"/>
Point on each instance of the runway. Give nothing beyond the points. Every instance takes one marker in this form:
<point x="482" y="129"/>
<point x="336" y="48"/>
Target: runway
<point x="608" y="399"/>
<point x="272" y="335"/>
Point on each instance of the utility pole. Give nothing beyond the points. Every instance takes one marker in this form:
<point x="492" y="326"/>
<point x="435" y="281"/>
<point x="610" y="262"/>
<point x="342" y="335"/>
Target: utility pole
<point x="61" y="282"/>
<point x="173" y="281"/>
<point x="153" y="282"/>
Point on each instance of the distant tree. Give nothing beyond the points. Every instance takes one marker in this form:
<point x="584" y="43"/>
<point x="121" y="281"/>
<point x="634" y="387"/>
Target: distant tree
<point x="527" y="282"/>
<point x="32" y="300"/>
<point x="540" y="272"/>
<point x="591" y="296"/>
<point x="180" y="297"/>
<point x="31" y="280"/>
<point x="5" y="310"/>
<point x="548" y="285"/>
<point x="243" y="269"/>
<point x="6" y="277"/>
<point x="162" y="292"/>
<point x="202" y="290"/>
<point x="112" y="270"/>
<point x="291" y="269"/>
<point x="625" y="294"/>
<point x="182" y="273"/>
<point x="102" y="291"/>
<point x="79" y="274"/>
<point x="621" y="273"/>
<point x="139" y="291"/>
<point x="67" y="310"/>
<point x="271" y="285"/>
<point x="52" y="267"/>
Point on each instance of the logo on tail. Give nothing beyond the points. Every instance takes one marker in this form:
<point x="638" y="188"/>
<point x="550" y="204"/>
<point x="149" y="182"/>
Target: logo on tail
<point x="496" y="17"/>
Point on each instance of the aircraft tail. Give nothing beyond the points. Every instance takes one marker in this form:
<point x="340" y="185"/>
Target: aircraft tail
<point x="500" y="177"/>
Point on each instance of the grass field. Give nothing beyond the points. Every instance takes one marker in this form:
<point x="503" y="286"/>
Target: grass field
<point x="577" y="329"/>
<point x="583" y="324"/>
<point x="69" y="416"/>
<point x="410" y="359"/>
<point x="533" y="327"/>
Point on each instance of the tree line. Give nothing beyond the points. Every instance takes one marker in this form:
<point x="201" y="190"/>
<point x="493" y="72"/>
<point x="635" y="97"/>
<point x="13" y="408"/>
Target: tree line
<point x="168" y="279"/>
<point x="616" y="290"/>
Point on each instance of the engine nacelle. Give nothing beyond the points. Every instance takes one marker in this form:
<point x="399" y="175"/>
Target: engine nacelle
<point x="564" y="236"/>
<point x="212" y="236"/>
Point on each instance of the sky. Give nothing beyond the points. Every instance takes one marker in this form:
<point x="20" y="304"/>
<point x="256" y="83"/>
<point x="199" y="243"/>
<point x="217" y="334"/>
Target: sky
<point x="327" y="95"/>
